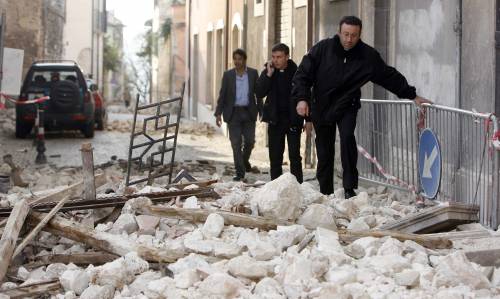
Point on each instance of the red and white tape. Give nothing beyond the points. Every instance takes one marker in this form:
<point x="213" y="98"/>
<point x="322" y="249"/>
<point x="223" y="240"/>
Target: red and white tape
<point x="381" y="169"/>
<point x="4" y="98"/>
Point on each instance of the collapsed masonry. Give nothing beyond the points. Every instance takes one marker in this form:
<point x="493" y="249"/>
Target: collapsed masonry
<point x="278" y="240"/>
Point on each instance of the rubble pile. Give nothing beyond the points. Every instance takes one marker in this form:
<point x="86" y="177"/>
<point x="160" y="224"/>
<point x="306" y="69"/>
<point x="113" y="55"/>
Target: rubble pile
<point x="226" y="256"/>
<point x="7" y="121"/>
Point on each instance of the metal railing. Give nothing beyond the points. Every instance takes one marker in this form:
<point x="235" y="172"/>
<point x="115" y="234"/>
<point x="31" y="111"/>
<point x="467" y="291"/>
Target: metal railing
<point x="389" y="131"/>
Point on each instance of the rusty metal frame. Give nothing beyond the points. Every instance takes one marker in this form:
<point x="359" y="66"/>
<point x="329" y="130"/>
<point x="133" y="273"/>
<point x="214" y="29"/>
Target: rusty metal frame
<point x="158" y="167"/>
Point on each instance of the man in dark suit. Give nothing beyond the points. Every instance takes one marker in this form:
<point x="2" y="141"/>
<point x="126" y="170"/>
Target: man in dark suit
<point x="239" y="107"/>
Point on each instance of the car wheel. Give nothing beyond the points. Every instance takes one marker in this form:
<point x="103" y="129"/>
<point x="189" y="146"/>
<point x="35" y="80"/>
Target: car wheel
<point x="22" y="129"/>
<point x="88" y="130"/>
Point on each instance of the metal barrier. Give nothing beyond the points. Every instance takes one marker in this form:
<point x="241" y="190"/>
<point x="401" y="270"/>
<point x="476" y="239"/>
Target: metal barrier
<point x="389" y="131"/>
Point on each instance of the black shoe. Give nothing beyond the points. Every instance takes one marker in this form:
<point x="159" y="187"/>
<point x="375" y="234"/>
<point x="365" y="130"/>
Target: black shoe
<point x="238" y="179"/>
<point x="348" y="193"/>
<point x="248" y="167"/>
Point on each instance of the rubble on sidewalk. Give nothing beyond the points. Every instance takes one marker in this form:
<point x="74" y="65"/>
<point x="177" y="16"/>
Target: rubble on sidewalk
<point x="292" y="242"/>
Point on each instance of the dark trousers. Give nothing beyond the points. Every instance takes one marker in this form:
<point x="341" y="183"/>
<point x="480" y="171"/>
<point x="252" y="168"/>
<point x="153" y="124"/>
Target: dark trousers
<point x="277" y="133"/>
<point x="325" y="149"/>
<point x="242" y="137"/>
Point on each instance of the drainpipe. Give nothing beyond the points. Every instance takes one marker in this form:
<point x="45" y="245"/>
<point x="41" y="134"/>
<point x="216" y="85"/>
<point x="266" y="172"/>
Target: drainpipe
<point x="226" y="37"/>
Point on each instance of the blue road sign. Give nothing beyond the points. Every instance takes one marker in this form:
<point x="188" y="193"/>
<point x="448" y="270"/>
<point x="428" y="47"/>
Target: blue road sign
<point x="429" y="163"/>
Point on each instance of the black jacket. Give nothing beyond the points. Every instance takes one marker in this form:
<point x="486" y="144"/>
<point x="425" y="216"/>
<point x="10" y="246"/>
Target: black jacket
<point x="336" y="77"/>
<point x="268" y="87"/>
<point x="227" y="95"/>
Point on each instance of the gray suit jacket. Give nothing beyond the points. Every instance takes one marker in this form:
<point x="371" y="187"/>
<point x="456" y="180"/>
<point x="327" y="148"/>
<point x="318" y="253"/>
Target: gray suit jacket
<point x="227" y="95"/>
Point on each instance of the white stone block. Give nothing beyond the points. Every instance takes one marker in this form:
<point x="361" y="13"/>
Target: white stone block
<point x="317" y="215"/>
<point x="186" y="279"/>
<point x="98" y="292"/>
<point x="125" y="223"/>
<point x="222" y="285"/>
<point x="455" y="269"/>
<point x="245" y="266"/>
<point x="74" y="280"/>
<point x="407" y="278"/>
<point x="327" y="240"/>
<point x="213" y="226"/>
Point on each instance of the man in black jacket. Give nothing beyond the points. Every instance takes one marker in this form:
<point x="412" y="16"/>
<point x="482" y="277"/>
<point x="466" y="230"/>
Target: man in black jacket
<point x="275" y="83"/>
<point x="239" y="107"/>
<point x="336" y="68"/>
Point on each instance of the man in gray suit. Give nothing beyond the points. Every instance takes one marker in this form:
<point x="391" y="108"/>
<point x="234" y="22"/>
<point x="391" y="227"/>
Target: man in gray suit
<point x="239" y="107"/>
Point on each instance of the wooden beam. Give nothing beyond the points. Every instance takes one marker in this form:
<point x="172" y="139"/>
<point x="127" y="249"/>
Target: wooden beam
<point x="39" y="226"/>
<point x="104" y="241"/>
<point x="200" y="215"/>
<point x="10" y="234"/>
<point x="32" y="290"/>
<point x="86" y="258"/>
<point x="429" y="242"/>
<point x="73" y="190"/>
<point x="88" y="171"/>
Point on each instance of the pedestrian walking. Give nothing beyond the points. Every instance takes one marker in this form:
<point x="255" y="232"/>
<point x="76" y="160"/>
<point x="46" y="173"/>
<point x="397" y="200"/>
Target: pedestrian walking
<point x="238" y="106"/>
<point x="335" y="69"/>
<point x="275" y="83"/>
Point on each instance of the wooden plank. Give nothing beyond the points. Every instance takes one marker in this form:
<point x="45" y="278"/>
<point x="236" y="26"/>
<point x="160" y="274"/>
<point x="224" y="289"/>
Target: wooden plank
<point x="86" y="258"/>
<point x="104" y="241"/>
<point x="10" y="234"/>
<point x="200" y="215"/>
<point x="433" y="243"/>
<point x="39" y="226"/>
<point x="32" y="290"/>
<point x="440" y="218"/>
<point x="88" y="171"/>
<point x="73" y="190"/>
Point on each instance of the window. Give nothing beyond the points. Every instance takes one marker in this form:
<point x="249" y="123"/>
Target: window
<point x="258" y="8"/>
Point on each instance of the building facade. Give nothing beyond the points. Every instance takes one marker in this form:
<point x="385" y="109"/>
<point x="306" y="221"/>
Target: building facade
<point x="114" y="80"/>
<point x="433" y="43"/>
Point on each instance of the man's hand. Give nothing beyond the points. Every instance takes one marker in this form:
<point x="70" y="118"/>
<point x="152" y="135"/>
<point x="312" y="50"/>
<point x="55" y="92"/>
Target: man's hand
<point x="308" y="126"/>
<point x="419" y="101"/>
<point x="270" y="68"/>
<point x="302" y="108"/>
<point x="218" y="120"/>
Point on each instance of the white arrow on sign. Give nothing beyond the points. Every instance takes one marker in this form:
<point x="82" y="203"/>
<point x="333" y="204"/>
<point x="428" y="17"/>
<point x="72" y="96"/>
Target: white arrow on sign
<point x="428" y="163"/>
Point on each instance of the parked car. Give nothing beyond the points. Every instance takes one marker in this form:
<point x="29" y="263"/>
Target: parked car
<point x="71" y="105"/>
<point x="101" y="117"/>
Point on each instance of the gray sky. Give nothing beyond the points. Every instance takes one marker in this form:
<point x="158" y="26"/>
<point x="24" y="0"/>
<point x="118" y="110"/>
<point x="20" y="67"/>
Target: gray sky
<point x="133" y="14"/>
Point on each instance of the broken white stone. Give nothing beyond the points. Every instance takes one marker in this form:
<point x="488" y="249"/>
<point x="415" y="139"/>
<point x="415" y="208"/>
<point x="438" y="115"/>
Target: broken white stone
<point x="194" y="242"/>
<point x="147" y="224"/>
<point x="75" y="280"/>
<point x="262" y="250"/>
<point x="186" y="279"/>
<point x="280" y="198"/>
<point x="354" y="250"/>
<point x="192" y="261"/>
<point x="327" y="240"/>
<point x="225" y="250"/>
<point x="119" y="272"/>
<point x="139" y="285"/>
<point x="7" y="286"/>
<point x="191" y="203"/>
<point x="310" y="194"/>
<point x="391" y="246"/>
<point x="387" y="264"/>
<point x="23" y="273"/>
<point x="98" y="292"/>
<point x="286" y="236"/>
<point x="135" y="204"/>
<point x="269" y="288"/>
<point x="175" y="247"/>
<point x="361" y="200"/>
<point x="221" y="284"/>
<point x="125" y="223"/>
<point x="296" y="274"/>
<point x="55" y="270"/>
<point x="341" y="276"/>
<point x="345" y="209"/>
<point x="317" y="215"/>
<point x="455" y="269"/>
<point x="191" y="187"/>
<point x="213" y="226"/>
<point x="358" y="224"/>
<point x="157" y="289"/>
<point x="151" y="189"/>
<point x="407" y="278"/>
<point x="245" y="266"/>
<point x="495" y="278"/>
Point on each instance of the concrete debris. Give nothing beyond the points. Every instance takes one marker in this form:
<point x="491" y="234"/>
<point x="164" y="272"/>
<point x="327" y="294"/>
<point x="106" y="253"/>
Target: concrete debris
<point x="318" y="215"/>
<point x="280" y="198"/>
<point x="306" y="256"/>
